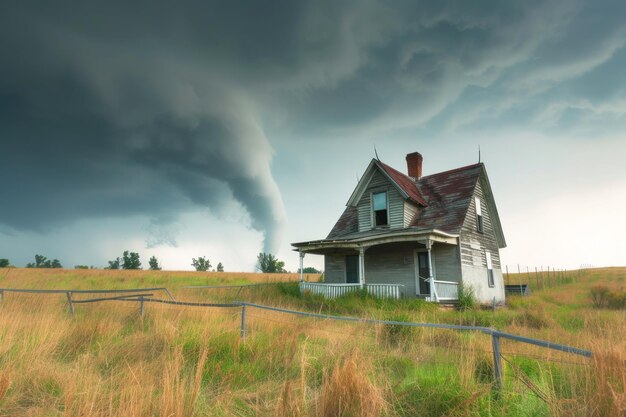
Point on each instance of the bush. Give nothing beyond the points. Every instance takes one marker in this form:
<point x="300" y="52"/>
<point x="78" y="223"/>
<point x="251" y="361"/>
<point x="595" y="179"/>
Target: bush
<point x="603" y="297"/>
<point x="4" y="263"/>
<point x="599" y="295"/>
<point x="467" y="298"/>
<point x="617" y="300"/>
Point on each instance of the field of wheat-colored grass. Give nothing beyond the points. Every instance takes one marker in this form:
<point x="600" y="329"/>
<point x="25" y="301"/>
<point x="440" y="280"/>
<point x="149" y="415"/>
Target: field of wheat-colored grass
<point x="107" y="360"/>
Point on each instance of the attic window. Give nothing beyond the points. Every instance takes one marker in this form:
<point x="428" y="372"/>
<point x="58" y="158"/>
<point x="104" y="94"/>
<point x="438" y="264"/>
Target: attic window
<point x="479" y="215"/>
<point x="379" y="205"/>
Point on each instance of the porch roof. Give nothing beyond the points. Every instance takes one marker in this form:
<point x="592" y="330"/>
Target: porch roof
<point x="375" y="237"/>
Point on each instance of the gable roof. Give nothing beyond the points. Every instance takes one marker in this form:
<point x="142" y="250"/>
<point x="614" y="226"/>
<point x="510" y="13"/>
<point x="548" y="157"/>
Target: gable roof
<point x="404" y="184"/>
<point x="449" y="194"/>
<point x="442" y="199"/>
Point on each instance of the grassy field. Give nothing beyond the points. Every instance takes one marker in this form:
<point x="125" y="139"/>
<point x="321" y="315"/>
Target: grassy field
<point x="186" y="361"/>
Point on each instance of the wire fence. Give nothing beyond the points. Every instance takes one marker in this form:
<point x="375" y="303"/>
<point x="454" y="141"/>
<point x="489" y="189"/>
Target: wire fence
<point x="537" y="277"/>
<point x="141" y="296"/>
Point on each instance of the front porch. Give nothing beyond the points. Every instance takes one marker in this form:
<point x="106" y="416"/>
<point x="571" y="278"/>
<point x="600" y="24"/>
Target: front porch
<point x="406" y="265"/>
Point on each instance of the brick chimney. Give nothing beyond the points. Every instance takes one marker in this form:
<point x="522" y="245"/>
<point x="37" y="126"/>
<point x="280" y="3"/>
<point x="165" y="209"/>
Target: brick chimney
<point x="414" y="165"/>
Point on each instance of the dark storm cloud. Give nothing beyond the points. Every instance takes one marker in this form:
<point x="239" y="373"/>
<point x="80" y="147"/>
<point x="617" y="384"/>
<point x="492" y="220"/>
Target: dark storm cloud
<point x="155" y="108"/>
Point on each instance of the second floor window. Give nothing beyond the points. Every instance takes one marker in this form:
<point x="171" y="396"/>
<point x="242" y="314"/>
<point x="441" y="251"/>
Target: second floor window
<point x="379" y="205"/>
<point x="479" y="215"/>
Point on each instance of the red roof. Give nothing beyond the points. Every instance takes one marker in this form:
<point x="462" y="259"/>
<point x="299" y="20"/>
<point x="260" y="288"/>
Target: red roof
<point x="443" y="199"/>
<point x="405" y="182"/>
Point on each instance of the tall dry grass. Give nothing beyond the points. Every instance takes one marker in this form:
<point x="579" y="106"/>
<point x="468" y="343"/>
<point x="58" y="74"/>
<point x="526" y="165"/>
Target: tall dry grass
<point x="109" y="361"/>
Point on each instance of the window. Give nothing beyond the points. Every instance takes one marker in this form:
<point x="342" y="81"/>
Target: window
<point x="479" y="215"/>
<point x="489" y="269"/>
<point x="379" y="205"/>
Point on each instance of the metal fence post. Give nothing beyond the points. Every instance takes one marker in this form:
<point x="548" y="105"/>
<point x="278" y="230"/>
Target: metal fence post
<point x="243" y="321"/>
<point x="497" y="361"/>
<point x="69" y="301"/>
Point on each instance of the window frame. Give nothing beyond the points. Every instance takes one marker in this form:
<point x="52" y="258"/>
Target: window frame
<point x="489" y="263"/>
<point x="480" y="221"/>
<point x="374" y="223"/>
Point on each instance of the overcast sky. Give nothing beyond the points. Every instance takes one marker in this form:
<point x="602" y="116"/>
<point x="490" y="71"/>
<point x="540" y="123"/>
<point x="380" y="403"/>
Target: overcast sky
<point x="223" y="129"/>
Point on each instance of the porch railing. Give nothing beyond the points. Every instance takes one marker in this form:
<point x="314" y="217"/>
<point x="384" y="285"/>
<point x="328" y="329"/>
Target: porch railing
<point x="385" y="290"/>
<point x="447" y="290"/>
<point x="337" y="290"/>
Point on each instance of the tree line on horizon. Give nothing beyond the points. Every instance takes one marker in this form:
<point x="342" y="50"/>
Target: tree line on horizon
<point x="266" y="263"/>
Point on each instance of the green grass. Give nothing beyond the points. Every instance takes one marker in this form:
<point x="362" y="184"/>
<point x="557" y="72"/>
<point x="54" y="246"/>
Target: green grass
<point x="189" y="361"/>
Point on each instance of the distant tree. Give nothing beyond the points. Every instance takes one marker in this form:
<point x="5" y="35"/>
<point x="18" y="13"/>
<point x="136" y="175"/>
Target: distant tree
<point x="154" y="264"/>
<point x="220" y="267"/>
<point x="201" y="264"/>
<point x="4" y="263"/>
<point x="114" y="264"/>
<point x="130" y="260"/>
<point x="43" y="262"/>
<point x="40" y="261"/>
<point x="81" y="267"/>
<point x="268" y="263"/>
<point x="310" y="270"/>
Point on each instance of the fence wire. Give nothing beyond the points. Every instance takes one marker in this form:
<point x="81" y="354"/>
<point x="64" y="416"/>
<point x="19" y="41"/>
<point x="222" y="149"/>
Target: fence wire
<point x="374" y="326"/>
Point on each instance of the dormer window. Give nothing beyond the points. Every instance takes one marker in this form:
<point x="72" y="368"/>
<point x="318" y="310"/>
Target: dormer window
<point x="479" y="215"/>
<point x="379" y="206"/>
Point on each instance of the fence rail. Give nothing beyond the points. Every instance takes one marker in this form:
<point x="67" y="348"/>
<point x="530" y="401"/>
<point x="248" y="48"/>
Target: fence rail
<point x="119" y="291"/>
<point x="337" y="290"/>
<point x="496" y="335"/>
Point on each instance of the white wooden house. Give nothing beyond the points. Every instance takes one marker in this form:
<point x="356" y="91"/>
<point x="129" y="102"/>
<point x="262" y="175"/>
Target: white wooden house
<point x="414" y="236"/>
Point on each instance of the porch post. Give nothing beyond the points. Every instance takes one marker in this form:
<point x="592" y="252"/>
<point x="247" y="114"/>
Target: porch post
<point x="301" y="266"/>
<point x="362" y="267"/>
<point x="431" y="279"/>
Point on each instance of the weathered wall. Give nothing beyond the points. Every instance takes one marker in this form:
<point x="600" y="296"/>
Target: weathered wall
<point x="410" y="210"/>
<point x="395" y="212"/>
<point x="391" y="264"/>
<point x="335" y="269"/>
<point x="446" y="262"/>
<point x="473" y="246"/>
<point x="476" y="277"/>
<point x="474" y="243"/>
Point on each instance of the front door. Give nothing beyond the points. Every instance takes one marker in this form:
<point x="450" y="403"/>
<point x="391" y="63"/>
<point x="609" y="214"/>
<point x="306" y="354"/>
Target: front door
<point x="352" y="269"/>
<point x="424" y="273"/>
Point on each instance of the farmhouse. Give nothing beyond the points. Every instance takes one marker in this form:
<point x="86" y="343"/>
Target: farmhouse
<point x="408" y="235"/>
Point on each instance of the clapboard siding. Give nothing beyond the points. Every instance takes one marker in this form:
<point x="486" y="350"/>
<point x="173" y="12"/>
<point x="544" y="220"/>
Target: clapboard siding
<point x="446" y="263"/>
<point x="474" y="243"/>
<point x="379" y="183"/>
<point x="409" y="213"/>
<point x="391" y="264"/>
<point x="335" y="269"/>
